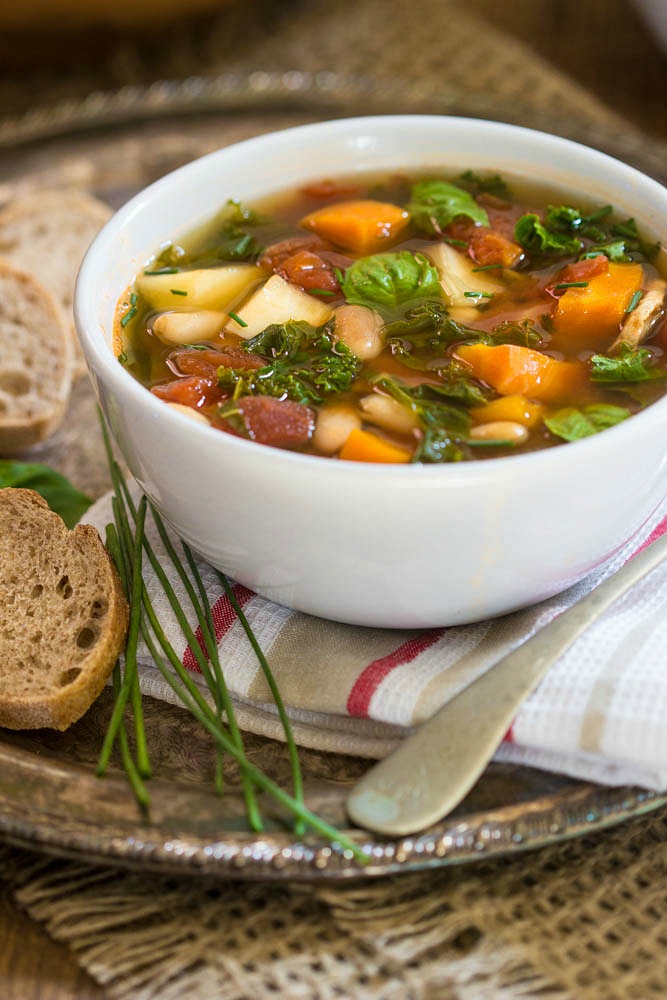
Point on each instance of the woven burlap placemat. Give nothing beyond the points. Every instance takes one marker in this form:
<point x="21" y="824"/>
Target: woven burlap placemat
<point x="577" y="920"/>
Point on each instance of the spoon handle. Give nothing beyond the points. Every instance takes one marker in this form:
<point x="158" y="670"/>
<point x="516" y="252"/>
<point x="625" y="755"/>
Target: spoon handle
<point x="432" y="770"/>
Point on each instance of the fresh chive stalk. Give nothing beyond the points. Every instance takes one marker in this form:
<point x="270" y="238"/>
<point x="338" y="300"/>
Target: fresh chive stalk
<point x="634" y="301"/>
<point x="237" y="318"/>
<point x="129" y="547"/>
<point x="297" y="779"/>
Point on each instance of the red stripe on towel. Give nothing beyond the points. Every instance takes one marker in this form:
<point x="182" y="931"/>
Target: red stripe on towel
<point x="657" y="532"/>
<point x="223" y="618"/>
<point x="370" y="678"/>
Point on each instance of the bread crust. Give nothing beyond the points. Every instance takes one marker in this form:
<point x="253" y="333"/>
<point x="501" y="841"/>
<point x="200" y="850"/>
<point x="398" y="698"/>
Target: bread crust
<point x="49" y="679"/>
<point x="37" y="329"/>
<point x="34" y="236"/>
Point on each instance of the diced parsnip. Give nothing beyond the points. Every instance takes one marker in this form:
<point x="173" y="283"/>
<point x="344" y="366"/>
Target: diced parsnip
<point x="590" y="316"/>
<point x="364" y="446"/>
<point x="515" y="408"/>
<point x="334" y="425"/>
<point x="360" y="328"/>
<point x="189" y="411"/>
<point x="458" y="277"/>
<point x="501" y="431"/>
<point x="383" y="411"/>
<point x="641" y="320"/>
<point x="206" y="288"/>
<point x="188" y="327"/>
<point x="513" y="370"/>
<point x="277" y="302"/>
<point x="365" y="226"/>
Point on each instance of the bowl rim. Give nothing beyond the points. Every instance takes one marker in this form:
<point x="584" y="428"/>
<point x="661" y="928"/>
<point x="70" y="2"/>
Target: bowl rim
<point x="113" y="373"/>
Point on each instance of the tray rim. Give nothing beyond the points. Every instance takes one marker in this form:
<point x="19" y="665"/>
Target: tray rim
<point x="573" y="811"/>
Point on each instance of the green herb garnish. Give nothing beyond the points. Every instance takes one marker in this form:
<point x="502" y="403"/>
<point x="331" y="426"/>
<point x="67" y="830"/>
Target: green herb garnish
<point x="130" y="314"/>
<point x="634" y="301"/>
<point x="434" y="204"/>
<point x="571" y="284"/>
<point x="487" y="267"/>
<point x="177" y="291"/>
<point x="237" y="318"/>
<point x="478" y="295"/>
<point x="163" y="270"/>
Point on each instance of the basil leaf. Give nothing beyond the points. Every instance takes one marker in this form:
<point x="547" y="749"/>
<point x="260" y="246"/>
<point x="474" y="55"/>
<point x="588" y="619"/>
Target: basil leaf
<point x="390" y="279"/>
<point x="572" y="424"/>
<point x="629" y="365"/>
<point x="61" y="496"/>
<point x="536" y="238"/>
<point x="434" y="204"/>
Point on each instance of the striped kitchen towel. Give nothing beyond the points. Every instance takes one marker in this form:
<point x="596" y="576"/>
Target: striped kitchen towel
<point x="599" y="714"/>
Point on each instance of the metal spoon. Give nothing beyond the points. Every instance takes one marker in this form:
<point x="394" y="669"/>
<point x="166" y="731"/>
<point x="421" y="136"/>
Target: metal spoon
<point x="432" y="771"/>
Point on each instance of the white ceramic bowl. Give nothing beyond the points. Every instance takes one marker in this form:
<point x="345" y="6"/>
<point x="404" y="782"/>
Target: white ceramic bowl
<point x="403" y="546"/>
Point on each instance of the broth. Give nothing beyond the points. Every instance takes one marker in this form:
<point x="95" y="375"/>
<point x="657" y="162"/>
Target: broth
<point x="403" y="319"/>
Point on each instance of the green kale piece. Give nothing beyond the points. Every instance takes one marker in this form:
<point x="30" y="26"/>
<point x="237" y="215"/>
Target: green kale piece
<point x="445" y="425"/>
<point x="536" y="238"/>
<point x="571" y="424"/>
<point x="484" y="184"/>
<point x="434" y="204"/>
<point x="631" y="364"/>
<point x="390" y="279"/>
<point x="233" y="241"/>
<point x="304" y="363"/>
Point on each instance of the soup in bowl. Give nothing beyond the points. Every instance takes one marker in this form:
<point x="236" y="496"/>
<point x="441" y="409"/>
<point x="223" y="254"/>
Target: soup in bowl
<point x="392" y="371"/>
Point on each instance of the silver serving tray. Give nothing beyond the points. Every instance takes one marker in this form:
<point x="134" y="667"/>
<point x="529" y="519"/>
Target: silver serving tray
<point x="50" y="799"/>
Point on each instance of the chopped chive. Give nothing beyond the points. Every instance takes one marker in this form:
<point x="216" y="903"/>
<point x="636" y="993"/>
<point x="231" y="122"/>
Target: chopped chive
<point x="237" y="319"/>
<point x="163" y="270"/>
<point x="177" y="291"/>
<point x="133" y="299"/>
<point x="122" y="357"/>
<point x="478" y="295"/>
<point x="320" y="291"/>
<point x="571" y="284"/>
<point x="340" y="277"/>
<point x="130" y="314"/>
<point x="455" y="243"/>
<point x="487" y="267"/>
<point x="634" y="301"/>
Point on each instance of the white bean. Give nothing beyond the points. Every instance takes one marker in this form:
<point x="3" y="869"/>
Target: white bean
<point x="361" y="329"/>
<point x="188" y="327"/>
<point x="189" y="411"/>
<point x="333" y="427"/>
<point x="383" y="411"/>
<point x="500" y="430"/>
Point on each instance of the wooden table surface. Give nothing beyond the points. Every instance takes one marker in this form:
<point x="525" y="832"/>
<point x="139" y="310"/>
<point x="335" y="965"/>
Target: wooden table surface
<point x="603" y="45"/>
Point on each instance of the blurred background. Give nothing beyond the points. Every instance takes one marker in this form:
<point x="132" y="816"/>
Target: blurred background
<point x="54" y="49"/>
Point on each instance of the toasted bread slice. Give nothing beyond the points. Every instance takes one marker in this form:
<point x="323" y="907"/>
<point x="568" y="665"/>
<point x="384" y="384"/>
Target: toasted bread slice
<point x="47" y="233"/>
<point x="63" y="615"/>
<point x="35" y="361"/>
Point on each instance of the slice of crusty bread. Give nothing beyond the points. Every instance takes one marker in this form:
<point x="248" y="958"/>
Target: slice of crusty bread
<point x="63" y="615"/>
<point x="35" y="361"/>
<point x="47" y="233"/>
